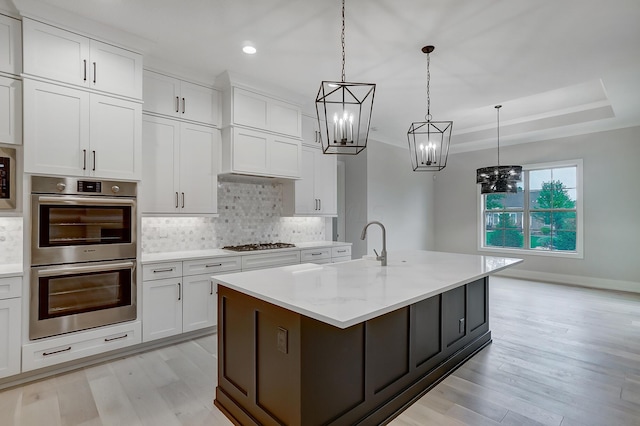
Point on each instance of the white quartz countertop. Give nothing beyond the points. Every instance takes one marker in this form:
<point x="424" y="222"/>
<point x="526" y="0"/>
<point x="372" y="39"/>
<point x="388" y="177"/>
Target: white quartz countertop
<point x="11" y="270"/>
<point x="348" y="293"/>
<point x="202" y="254"/>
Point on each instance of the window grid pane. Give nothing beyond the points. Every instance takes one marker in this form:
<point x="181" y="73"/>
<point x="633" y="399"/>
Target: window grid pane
<point x="545" y="215"/>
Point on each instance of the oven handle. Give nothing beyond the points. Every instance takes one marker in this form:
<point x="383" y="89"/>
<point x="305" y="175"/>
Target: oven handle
<point x="70" y="270"/>
<point x="87" y="201"/>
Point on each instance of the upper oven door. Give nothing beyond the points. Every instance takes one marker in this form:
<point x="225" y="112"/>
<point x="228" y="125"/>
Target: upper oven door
<point x="69" y="229"/>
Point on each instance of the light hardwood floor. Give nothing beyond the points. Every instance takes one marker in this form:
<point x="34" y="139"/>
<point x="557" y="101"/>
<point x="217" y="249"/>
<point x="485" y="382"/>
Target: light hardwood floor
<point x="560" y="356"/>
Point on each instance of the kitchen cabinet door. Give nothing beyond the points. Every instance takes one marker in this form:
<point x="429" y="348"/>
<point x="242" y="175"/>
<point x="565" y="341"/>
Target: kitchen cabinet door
<point x="10" y="110"/>
<point x="249" y="152"/>
<point x="199" y="103"/>
<point x="176" y="98"/>
<point x="315" y="193"/>
<point x="305" y="198"/>
<point x="161" y="94"/>
<point x="325" y="183"/>
<point x="161" y="308"/>
<point x="199" y="167"/>
<point x="115" y="138"/>
<point x="115" y="70"/>
<point x="10" y="320"/>
<point x="54" y="53"/>
<point x="265" y="113"/>
<point x="200" y="304"/>
<point x="67" y="57"/>
<point x="56" y="126"/>
<point x="10" y="45"/>
<point x="285" y="156"/>
<point x="160" y="168"/>
<point x="310" y="131"/>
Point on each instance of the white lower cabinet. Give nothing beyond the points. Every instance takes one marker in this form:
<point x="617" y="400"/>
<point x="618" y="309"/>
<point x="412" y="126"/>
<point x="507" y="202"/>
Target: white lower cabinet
<point x="341" y="254"/>
<point x="180" y="167"/>
<point x="318" y="256"/>
<point x="182" y="298"/>
<point x="47" y="352"/>
<point x="10" y="320"/>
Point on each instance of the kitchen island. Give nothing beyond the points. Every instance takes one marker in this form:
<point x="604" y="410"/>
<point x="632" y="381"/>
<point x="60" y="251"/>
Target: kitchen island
<point x="347" y="343"/>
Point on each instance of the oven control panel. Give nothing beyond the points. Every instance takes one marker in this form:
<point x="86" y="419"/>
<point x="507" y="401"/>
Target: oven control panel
<point x="89" y="186"/>
<point x="7" y="178"/>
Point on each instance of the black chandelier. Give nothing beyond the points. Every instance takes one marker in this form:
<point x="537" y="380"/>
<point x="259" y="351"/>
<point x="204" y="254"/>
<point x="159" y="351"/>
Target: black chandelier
<point x="429" y="140"/>
<point x="344" y="112"/>
<point x="499" y="179"/>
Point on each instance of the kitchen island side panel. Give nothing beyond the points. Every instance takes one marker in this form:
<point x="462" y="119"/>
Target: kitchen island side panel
<point x="306" y="372"/>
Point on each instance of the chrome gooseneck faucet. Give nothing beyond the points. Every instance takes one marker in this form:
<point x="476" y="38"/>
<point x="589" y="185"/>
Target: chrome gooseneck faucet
<point x="382" y="257"/>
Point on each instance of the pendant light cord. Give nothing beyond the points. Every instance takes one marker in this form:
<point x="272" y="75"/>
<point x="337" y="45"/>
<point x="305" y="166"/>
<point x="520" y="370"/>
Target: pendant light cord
<point x="498" y="113"/>
<point x="342" y="40"/>
<point x="428" y="116"/>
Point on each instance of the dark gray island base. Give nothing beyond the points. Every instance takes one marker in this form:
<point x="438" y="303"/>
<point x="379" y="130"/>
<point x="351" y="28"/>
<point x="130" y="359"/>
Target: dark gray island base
<point x="279" y="367"/>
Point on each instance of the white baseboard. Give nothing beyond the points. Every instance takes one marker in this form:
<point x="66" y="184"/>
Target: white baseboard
<point x="577" y="280"/>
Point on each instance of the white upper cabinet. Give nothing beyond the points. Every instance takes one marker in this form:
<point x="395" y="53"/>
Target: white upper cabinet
<point x="264" y="113"/>
<point x="310" y="131"/>
<point x="67" y="57"/>
<point x="315" y="194"/>
<point x="177" y="98"/>
<point x="10" y="45"/>
<point x="77" y="133"/>
<point x="252" y="152"/>
<point x="10" y="110"/>
<point x="180" y="167"/>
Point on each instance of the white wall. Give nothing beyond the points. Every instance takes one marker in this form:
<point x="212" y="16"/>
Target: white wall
<point x="611" y="207"/>
<point x="380" y="185"/>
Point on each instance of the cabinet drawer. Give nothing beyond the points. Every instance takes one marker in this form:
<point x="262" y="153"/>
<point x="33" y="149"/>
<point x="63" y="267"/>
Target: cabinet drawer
<point x="313" y="255"/>
<point x="213" y="265"/>
<point x="340" y="259"/>
<point x="157" y="271"/>
<point x="10" y="287"/>
<point x="341" y="251"/>
<point x="270" y="260"/>
<point x="78" y="345"/>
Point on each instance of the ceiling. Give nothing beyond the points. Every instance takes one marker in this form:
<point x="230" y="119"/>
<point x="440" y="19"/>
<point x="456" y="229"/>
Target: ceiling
<point x="559" y="68"/>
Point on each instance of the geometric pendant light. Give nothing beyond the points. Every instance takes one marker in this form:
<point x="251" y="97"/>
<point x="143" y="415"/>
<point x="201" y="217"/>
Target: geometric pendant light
<point x="499" y="179"/>
<point x="429" y="140"/>
<point x="344" y="112"/>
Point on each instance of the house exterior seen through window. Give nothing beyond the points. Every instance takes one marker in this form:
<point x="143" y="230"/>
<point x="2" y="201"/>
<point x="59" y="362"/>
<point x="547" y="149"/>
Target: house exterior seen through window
<point x="543" y="217"/>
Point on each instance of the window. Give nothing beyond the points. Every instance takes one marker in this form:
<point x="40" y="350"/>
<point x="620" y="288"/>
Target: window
<point x="543" y="217"/>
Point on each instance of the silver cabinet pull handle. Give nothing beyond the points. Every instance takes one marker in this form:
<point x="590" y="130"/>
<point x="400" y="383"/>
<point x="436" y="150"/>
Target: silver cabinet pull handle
<point x="179" y="291"/>
<point x="184" y="105"/>
<point x="115" y="338"/>
<point x="156" y="271"/>
<point x="94" y="73"/>
<point x="183" y="200"/>
<point x="56" y="352"/>
<point x="94" y="161"/>
<point x="176" y="200"/>
<point x="319" y="203"/>
<point x="342" y="251"/>
<point x="213" y="265"/>
<point x="316" y="254"/>
<point x="85" y="69"/>
<point x="177" y="104"/>
<point x="211" y="287"/>
<point x="84" y="159"/>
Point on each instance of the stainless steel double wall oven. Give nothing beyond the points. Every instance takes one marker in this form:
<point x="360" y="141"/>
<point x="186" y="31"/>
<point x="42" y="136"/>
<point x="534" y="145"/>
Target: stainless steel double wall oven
<point x="83" y="254"/>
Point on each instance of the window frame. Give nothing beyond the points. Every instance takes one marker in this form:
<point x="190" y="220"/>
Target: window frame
<point x="577" y="254"/>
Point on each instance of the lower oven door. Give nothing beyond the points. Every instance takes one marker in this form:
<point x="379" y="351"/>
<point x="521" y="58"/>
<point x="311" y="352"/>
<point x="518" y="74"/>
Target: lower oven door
<point x="66" y="298"/>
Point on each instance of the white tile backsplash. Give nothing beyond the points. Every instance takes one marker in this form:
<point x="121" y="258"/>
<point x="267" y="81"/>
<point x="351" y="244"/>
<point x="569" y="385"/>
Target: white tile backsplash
<point x="248" y="213"/>
<point x="10" y="240"/>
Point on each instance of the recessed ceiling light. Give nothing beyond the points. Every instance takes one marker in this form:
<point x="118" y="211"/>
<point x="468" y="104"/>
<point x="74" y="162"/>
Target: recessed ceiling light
<point x="249" y="50"/>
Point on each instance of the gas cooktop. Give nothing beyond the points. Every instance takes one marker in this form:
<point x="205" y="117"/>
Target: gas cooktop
<point x="258" y="246"/>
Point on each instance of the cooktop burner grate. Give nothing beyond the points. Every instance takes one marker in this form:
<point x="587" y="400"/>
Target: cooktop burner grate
<point x="259" y="246"/>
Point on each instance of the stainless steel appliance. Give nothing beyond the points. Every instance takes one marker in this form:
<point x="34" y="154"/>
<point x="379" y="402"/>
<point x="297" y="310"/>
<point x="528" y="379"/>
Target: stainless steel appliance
<point x="7" y="178"/>
<point x="74" y="220"/>
<point x="259" y="246"/>
<point x="83" y="254"/>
